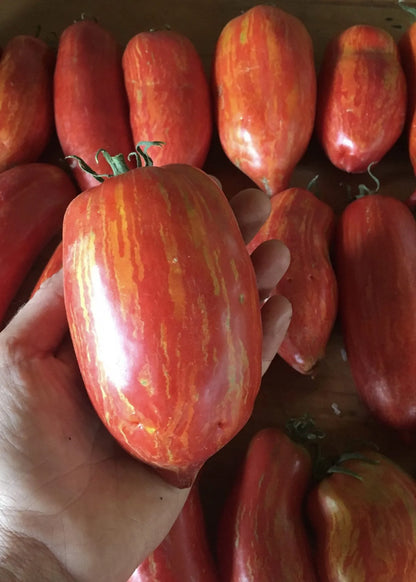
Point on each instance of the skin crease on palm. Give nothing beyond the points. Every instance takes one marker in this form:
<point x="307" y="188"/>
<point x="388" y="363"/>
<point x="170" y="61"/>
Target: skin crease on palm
<point x="73" y="504"/>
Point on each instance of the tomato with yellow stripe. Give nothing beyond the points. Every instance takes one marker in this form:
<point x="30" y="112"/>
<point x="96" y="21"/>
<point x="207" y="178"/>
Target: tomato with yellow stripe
<point x="164" y="314"/>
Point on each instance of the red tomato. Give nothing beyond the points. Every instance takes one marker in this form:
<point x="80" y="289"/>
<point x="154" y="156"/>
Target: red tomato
<point x="262" y="536"/>
<point x="169" y="96"/>
<point x="164" y="313"/>
<point x="184" y="555"/>
<point x="407" y="48"/>
<point x="306" y="225"/>
<point x="26" y="105"/>
<point x="376" y="270"/>
<point x="265" y="91"/>
<point x="362" y="97"/>
<point x="33" y="199"/>
<point x="365" y="529"/>
<point x="91" y="109"/>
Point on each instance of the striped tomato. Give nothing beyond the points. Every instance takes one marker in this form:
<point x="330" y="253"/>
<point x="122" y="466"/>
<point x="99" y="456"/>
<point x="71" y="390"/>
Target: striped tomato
<point x="262" y="535"/>
<point x="362" y="97"/>
<point x="169" y="96"/>
<point x="184" y="555"/>
<point x="265" y="94"/>
<point x="365" y="525"/>
<point x="306" y="225"/>
<point x="26" y="104"/>
<point x="164" y="314"/>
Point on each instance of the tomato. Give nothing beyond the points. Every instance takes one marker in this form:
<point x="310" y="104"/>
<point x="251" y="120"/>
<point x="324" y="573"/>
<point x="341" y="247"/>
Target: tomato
<point x="184" y="554"/>
<point x="365" y="528"/>
<point x="169" y="96"/>
<point x="262" y="535"/>
<point x="407" y="49"/>
<point x="306" y="225"/>
<point x="33" y="199"/>
<point x="362" y="97"/>
<point x="164" y="314"/>
<point x="91" y="108"/>
<point x="26" y="105"/>
<point x="376" y="270"/>
<point x="265" y="94"/>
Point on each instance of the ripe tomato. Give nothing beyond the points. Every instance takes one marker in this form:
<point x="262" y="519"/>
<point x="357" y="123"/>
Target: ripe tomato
<point x="164" y="313"/>
<point x="365" y="529"/>
<point x="26" y="104"/>
<point x="262" y="536"/>
<point x="169" y="96"/>
<point x="265" y="94"/>
<point x="376" y="271"/>
<point x="306" y="225"/>
<point x="362" y="97"/>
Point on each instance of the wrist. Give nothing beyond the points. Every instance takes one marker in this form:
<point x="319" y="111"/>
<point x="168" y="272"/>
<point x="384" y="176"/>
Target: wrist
<point x="25" y="559"/>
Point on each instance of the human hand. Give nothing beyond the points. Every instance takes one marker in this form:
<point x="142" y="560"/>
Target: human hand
<point x="73" y="504"/>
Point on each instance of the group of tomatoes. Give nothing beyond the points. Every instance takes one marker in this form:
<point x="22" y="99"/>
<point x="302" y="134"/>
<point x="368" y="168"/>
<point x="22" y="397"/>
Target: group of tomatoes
<point x="159" y="288"/>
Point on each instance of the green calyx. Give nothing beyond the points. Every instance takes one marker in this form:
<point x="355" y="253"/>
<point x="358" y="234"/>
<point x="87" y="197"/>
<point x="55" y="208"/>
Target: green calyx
<point x="118" y="163"/>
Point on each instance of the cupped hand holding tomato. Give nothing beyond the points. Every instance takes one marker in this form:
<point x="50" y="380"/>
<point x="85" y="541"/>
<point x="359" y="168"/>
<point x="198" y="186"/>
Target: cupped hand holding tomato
<point x="74" y="505"/>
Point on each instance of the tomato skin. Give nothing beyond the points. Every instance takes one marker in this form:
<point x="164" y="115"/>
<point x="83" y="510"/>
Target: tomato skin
<point x="33" y="199"/>
<point x="265" y="94"/>
<point x="169" y="96"/>
<point x="362" y="97"/>
<point x="174" y="365"/>
<point x="26" y="105"/>
<point x="365" y="530"/>
<point x="407" y="49"/>
<point x="91" y="109"/>
<point x="376" y="270"/>
<point x="184" y="554"/>
<point x="306" y="225"/>
<point x="262" y="536"/>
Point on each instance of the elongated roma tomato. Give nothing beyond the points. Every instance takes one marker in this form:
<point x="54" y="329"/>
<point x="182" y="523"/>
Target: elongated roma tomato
<point x="184" y="555"/>
<point x="26" y="104"/>
<point x="91" y="108"/>
<point x="376" y="270"/>
<point x="407" y="49"/>
<point x="365" y="529"/>
<point x="33" y="200"/>
<point x="306" y="225"/>
<point x="169" y="96"/>
<point x="362" y="97"/>
<point x="262" y="536"/>
<point x="164" y="313"/>
<point x="265" y="94"/>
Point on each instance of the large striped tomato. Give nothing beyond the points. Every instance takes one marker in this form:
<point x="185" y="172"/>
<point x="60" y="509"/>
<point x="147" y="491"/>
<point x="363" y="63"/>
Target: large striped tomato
<point x="169" y="96"/>
<point x="362" y="97"/>
<point x="365" y="526"/>
<point x="265" y="94"/>
<point x="164" y="314"/>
